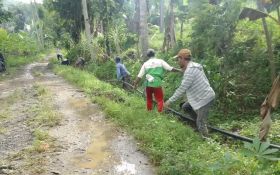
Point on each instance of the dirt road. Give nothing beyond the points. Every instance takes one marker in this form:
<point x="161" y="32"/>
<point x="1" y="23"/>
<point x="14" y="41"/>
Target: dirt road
<point x="50" y="127"/>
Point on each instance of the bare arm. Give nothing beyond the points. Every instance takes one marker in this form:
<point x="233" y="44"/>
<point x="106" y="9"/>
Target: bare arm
<point x="136" y="82"/>
<point x="139" y="76"/>
<point x="176" y="70"/>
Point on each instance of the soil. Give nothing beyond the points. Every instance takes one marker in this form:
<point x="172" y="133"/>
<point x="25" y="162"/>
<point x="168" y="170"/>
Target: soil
<point x="86" y="141"/>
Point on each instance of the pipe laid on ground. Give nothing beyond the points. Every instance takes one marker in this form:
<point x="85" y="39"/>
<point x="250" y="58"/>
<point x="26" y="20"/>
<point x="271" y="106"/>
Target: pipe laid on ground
<point x="223" y="132"/>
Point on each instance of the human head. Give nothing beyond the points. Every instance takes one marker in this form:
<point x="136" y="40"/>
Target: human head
<point x="151" y="53"/>
<point x="118" y="59"/>
<point x="183" y="56"/>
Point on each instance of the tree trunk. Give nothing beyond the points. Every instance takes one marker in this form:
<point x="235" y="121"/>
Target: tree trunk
<point x="278" y="13"/>
<point x="161" y="16"/>
<point x="38" y="27"/>
<point x="105" y="26"/>
<point x="269" y="49"/>
<point x="268" y="43"/>
<point x="181" y="30"/>
<point x="116" y="35"/>
<point x="169" y="38"/>
<point x="87" y="28"/>
<point x="143" y="27"/>
<point x="136" y="17"/>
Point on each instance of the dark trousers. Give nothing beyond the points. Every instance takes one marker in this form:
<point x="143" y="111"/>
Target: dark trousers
<point x="200" y="115"/>
<point x="59" y="57"/>
<point x="188" y="109"/>
<point x="126" y="80"/>
<point x="2" y="67"/>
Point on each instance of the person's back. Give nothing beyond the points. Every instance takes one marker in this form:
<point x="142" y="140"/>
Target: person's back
<point x="200" y="87"/>
<point x="65" y="61"/>
<point x="122" y="73"/>
<point x="154" y="70"/>
<point x="80" y="62"/>
<point x="122" y="70"/>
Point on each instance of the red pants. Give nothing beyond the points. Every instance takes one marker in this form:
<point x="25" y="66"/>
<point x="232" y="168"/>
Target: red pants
<point x="158" y="94"/>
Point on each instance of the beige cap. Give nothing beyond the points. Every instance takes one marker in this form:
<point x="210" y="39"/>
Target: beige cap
<point x="183" y="53"/>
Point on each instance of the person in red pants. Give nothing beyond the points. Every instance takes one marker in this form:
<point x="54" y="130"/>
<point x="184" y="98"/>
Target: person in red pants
<point x="153" y="69"/>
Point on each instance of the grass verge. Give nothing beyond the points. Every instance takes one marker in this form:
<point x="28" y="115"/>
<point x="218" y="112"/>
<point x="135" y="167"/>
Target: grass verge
<point x="173" y="147"/>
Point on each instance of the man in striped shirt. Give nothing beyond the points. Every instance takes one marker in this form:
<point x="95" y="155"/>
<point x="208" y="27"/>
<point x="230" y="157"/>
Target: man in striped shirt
<point x="153" y="69"/>
<point x="196" y="86"/>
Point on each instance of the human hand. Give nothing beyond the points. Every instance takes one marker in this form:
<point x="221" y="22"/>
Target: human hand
<point x="166" y="104"/>
<point x="135" y="86"/>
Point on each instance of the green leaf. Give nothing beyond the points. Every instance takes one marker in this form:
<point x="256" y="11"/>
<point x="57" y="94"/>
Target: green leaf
<point x="247" y="153"/>
<point x="264" y="146"/>
<point x="272" y="158"/>
<point x="248" y="146"/>
<point x="270" y="151"/>
<point x="257" y="144"/>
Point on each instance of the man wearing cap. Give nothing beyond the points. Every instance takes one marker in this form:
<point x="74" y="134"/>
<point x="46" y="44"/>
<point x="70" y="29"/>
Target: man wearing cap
<point x="153" y="69"/>
<point x="196" y="86"/>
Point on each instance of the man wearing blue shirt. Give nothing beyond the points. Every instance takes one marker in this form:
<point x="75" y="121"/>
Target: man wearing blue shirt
<point x="122" y="73"/>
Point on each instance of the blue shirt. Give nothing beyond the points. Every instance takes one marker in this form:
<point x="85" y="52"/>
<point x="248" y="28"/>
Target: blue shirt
<point x="121" y="71"/>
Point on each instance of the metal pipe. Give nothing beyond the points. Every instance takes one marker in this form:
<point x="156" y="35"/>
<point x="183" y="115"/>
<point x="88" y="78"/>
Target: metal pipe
<point x="223" y="132"/>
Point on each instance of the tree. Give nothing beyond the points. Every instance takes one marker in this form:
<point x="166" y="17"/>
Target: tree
<point x="161" y="16"/>
<point x="143" y="28"/>
<point x="38" y="25"/>
<point x="71" y="12"/>
<point x="105" y="18"/>
<point x="182" y="17"/>
<point x="169" y="36"/>
<point x="4" y="15"/>
<point x="260" y="5"/>
<point x="213" y="27"/>
<point x="19" y="19"/>
<point x="87" y="27"/>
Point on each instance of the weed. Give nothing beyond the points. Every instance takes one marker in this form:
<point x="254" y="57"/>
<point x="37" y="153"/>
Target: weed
<point x="171" y="145"/>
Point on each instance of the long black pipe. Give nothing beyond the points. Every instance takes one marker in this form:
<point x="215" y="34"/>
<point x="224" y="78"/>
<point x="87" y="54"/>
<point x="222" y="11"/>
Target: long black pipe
<point x="223" y="132"/>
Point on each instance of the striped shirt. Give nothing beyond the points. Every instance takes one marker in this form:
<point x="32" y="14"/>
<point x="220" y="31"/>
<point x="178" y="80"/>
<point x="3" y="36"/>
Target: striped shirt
<point x="154" y="68"/>
<point x="196" y="86"/>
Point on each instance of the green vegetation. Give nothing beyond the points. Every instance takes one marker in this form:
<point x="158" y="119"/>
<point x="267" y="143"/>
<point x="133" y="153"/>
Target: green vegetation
<point x="35" y="160"/>
<point x="171" y="145"/>
<point x="45" y="115"/>
<point x="18" y="49"/>
<point x="6" y="106"/>
<point x="233" y="52"/>
<point x="240" y="58"/>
